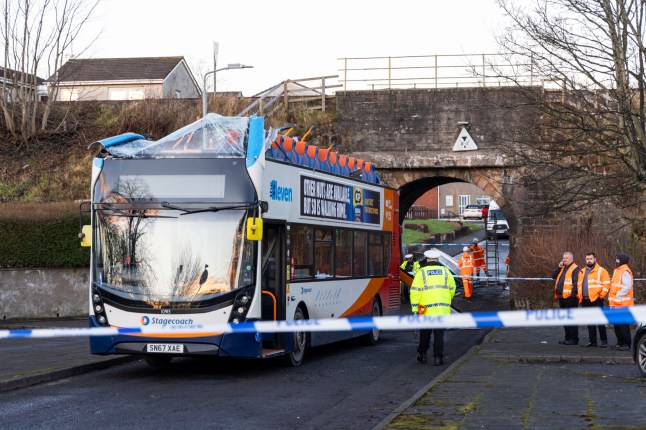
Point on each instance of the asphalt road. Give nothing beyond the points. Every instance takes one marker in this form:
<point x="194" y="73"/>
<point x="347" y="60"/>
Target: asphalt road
<point x="345" y="385"/>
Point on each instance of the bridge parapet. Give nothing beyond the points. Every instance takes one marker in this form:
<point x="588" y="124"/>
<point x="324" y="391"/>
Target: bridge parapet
<point x="436" y="160"/>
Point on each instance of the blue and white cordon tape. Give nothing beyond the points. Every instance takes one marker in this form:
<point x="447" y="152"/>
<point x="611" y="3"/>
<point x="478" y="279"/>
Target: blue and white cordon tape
<point x="450" y="244"/>
<point x="532" y="318"/>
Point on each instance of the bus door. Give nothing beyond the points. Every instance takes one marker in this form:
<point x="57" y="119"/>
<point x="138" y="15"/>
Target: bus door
<point x="273" y="280"/>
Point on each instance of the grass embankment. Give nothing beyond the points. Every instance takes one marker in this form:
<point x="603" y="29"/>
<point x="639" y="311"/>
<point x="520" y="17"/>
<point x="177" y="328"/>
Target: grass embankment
<point x="434" y="226"/>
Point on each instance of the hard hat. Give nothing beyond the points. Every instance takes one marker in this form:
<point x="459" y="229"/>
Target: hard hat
<point x="432" y="253"/>
<point x="407" y="256"/>
<point x="465" y="249"/>
<point x="475" y="240"/>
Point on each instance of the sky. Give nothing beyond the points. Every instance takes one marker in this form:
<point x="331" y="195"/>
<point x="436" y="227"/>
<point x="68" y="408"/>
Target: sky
<point x="287" y="39"/>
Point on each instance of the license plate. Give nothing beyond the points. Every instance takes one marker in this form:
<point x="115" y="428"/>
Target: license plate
<point x="165" y="348"/>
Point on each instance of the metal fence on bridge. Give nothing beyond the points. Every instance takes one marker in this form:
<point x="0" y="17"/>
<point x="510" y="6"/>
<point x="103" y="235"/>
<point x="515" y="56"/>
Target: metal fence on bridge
<point x="436" y="71"/>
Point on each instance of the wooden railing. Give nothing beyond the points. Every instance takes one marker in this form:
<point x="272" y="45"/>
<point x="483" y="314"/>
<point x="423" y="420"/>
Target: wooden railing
<point x="280" y="95"/>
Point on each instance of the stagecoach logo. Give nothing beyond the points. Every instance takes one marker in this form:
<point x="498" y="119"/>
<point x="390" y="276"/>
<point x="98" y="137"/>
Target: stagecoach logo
<point x="282" y="194"/>
<point x="165" y="321"/>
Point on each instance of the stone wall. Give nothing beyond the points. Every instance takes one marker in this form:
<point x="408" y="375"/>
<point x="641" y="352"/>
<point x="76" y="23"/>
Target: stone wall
<point x="43" y="293"/>
<point x="426" y="120"/>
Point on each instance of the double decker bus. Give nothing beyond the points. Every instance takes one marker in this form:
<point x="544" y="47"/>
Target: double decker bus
<point x="224" y="221"/>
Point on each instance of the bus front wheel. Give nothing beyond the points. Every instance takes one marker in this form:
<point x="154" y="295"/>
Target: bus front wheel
<point x="301" y="341"/>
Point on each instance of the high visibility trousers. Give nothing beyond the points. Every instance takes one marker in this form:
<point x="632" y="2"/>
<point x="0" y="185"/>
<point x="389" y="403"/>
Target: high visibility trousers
<point x="468" y="287"/>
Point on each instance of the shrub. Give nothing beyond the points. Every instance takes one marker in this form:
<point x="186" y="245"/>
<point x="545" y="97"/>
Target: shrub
<point x="41" y="235"/>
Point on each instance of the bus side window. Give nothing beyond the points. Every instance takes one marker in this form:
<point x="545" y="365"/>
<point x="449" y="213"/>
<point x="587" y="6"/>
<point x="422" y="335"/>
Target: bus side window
<point x="375" y="255"/>
<point x="343" y="254"/>
<point x="323" y="253"/>
<point x="302" y="250"/>
<point x="360" y="251"/>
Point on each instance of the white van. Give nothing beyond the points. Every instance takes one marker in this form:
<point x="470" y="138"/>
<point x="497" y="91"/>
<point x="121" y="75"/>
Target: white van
<point x="496" y="222"/>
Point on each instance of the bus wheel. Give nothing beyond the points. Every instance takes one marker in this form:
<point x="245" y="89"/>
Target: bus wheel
<point x="301" y="341"/>
<point x="372" y="338"/>
<point x="157" y="360"/>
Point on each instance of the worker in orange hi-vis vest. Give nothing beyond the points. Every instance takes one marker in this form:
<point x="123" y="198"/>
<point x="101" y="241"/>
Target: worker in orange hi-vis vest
<point x="466" y="271"/>
<point x="479" y="257"/>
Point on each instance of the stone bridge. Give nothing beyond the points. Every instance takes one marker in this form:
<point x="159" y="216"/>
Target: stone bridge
<point x="410" y="136"/>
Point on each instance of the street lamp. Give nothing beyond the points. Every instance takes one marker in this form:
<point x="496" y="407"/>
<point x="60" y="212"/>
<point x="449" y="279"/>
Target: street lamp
<point x="229" y="66"/>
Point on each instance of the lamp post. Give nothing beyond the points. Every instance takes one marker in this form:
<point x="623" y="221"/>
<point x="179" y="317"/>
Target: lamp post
<point x="228" y="67"/>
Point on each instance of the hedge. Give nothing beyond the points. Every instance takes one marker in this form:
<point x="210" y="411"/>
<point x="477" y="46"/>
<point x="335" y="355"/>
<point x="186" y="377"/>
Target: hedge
<point x="34" y="240"/>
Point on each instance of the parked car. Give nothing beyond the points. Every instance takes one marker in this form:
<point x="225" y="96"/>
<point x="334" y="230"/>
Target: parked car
<point x="472" y="211"/>
<point x="496" y="224"/>
<point x="485" y="211"/>
<point x="639" y="348"/>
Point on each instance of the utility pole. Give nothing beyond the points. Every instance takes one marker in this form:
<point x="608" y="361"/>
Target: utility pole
<point x="216" y="50"/>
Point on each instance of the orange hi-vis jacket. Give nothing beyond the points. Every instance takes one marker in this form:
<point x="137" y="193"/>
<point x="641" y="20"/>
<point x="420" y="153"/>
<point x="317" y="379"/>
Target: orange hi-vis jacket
<point x="620" y="294"/>
<point x="466" y="265"/>
<point x="567" y="284"/>
<point x="478" y="253"/>
<point x="598" y="283"/>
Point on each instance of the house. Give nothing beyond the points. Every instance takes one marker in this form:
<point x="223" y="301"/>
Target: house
<point x="13" y="83"/>
<point x="449" y="200"/>
<point x="125" y="79"/>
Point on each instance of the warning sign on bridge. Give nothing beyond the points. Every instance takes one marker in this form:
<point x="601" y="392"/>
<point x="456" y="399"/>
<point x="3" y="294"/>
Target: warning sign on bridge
<point x="464" y="142"/>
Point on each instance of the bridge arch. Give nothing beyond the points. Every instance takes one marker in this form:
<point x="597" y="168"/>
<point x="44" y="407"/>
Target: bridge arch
<point x="412" y="184"/>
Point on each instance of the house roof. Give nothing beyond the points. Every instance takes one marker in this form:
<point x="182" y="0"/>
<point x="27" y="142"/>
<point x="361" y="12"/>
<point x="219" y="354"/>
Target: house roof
<point x="15" y="76"/>
<point x="116" y="69"/>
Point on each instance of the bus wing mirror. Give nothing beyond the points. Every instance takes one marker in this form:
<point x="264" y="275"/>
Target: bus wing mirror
<point x="86" y="236"/>
<point x="254" y="228"/>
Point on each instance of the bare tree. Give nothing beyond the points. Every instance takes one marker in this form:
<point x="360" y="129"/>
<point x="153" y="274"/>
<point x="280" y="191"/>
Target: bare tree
<point x="36" y="34"/>
<point x="588" y="142"/>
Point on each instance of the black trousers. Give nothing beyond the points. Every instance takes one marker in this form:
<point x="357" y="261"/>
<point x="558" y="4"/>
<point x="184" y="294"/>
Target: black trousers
<point x="425" y="341"/>
<point x="592" y="329"/>
<point x="571" y="331"/>
<point x="622" y="331"/>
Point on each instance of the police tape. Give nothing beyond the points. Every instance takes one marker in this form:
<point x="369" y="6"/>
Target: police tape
<point x="476" y="320"/>
<point x="506" y="278"/>
<point x="450" y="244"/>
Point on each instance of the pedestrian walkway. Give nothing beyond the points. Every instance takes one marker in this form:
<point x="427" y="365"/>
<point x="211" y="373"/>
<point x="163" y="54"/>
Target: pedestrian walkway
<point x="32" y="361"/>
<point x="521" y="378"/>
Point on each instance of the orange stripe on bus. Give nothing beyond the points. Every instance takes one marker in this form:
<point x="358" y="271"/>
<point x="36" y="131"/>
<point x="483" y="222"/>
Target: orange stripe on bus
<point x="371" y="290"/>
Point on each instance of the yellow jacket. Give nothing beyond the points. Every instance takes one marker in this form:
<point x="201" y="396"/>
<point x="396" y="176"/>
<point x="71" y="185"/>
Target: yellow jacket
<point x="432" y="290"/>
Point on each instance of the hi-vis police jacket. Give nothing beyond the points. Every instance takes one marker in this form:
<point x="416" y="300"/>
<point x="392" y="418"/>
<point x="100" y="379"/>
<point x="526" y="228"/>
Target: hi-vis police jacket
<point x="414" y="267"/>
<point x="433" y="288"/>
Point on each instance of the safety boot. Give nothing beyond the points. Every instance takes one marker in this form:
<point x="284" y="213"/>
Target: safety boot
<point x="421" y="357"/>
<point x="439" y="361"/>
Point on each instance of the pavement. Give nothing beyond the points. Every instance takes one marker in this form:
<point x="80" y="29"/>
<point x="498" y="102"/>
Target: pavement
<point x="28" y="362"/>
<point x="522" y="378"/>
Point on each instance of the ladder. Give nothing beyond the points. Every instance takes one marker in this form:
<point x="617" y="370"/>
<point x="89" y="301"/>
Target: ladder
<point x="492" y="260"/>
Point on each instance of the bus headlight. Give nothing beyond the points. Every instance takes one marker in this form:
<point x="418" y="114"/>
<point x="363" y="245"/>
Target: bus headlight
<point x="241" y="310"/>
<point x="98" y="308"/>
<point x="244" y="299"/>
<point x="96" y="298"/>
<point x="102" y="319"/>
<point x="236" y="320"/>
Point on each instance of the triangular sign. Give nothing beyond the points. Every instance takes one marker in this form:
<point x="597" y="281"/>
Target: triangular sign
<point x="464" y="142"/>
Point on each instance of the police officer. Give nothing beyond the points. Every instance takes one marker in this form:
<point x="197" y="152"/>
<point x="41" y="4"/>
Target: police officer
<point x="431" y="294"/>
<point x="410" y="265"/>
